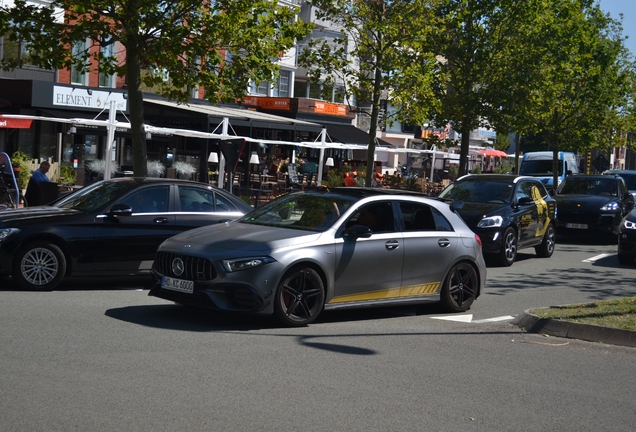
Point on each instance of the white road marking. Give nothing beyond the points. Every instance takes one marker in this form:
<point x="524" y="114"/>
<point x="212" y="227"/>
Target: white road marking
<point x="495" y="319"/>
<point x="596" y="258"/>
<point x="460" y="318"/>
<point x="469" y="319"/>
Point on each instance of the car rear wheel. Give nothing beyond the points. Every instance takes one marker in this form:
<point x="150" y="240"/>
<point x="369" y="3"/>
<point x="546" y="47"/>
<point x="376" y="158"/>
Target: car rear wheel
<point x="39" y="266"/>
<point x="300" y="297"/>
<point x="546" y="248"/>
<point x="508" y="252"/>
<point x="460" y="288"/>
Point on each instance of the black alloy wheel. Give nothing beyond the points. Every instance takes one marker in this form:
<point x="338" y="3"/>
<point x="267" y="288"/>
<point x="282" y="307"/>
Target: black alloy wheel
<point x="39" y="266"/>
<point x="300" y="297"/>
<point x="546" y="248"/>
<point x="460" y="288"/>
<point x="508" y="252"/>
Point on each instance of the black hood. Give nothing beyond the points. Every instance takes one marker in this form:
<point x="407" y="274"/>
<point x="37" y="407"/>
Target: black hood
<point x="582" y="202"/>
<point x="33" y="215"/>
<point x="473" y="212"/>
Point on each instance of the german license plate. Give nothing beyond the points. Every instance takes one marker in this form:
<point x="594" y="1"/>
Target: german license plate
<point x="177" y="285"/>
<point x="576" y="226"/>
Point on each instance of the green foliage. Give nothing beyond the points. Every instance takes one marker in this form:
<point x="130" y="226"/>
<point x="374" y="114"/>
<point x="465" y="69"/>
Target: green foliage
<point x="21" y="160"/>
<point x="476" y="169"/>
<point x="334" y="179"/>
<point x="504" y="168"/>
<point x="68" y="174"/>
<point x="453" y="171"/>
<point x="217" y="46"/>
<point x="388" y="37"/>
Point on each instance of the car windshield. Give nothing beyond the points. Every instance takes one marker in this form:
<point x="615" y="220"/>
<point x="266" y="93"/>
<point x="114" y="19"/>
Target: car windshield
<point x="94" y="196"/>
<point x="310" y="212"/>
<point x="538" y="168"/>
<point x="588" y="186"/>
<point x="493" y="191"/>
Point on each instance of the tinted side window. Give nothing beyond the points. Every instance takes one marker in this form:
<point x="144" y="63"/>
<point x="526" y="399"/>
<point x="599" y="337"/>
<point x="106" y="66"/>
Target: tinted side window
<point x="195" y="200"/>
<point x="148" y="200"/>
<point x="420" y="217"/>
<point x="378" y="217"/>
<point x="223" y="205"/>
<point x="441" y="223"/>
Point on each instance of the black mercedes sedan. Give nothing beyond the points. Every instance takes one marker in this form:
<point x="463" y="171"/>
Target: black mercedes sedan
<point x="507" y="212"/>
<point x="592" y="204"/>
<point x="110" y="228"/>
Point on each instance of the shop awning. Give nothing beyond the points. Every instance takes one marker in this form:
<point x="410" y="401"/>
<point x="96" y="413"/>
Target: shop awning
<point x="349" y="134"/>
<point x="12" y="123"/>
<point x="493" y="152"/>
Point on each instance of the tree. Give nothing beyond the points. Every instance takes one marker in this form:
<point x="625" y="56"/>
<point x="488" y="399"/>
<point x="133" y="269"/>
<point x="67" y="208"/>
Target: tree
<point x="472" y="39"/>
<point x="584" y="76"/>
<point x="376" y="54"/>
<point x="219" y="46"/>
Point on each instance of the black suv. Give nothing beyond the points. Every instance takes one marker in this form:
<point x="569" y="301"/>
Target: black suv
<point x="592" y="204"/>
<point x="507" y="212"/>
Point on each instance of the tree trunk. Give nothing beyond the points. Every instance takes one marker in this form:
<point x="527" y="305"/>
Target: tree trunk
<point x="136" y="109"/>
<point x="463" y="153"/>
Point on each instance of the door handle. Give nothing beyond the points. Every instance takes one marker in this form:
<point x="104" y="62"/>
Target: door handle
<point x="392" y="245"/>
<point x="161" y="220"/>
<point x="443" y="242"/>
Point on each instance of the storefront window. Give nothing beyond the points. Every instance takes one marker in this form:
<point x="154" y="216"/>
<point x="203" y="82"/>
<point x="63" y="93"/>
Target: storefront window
<point x="105" y="79"/>
<point x="300" y="89"/>
<point x="315" y="91"/>
<point x="77" y="74"/>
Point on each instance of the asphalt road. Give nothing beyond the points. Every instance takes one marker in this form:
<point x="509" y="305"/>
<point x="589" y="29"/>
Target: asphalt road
<point x="91" y="357"/>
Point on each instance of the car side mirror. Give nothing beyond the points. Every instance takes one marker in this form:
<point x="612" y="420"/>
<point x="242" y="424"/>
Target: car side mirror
<point x="551" y="192"/>
<point x="120" y="210"/>
<point x="525" y="201"/>
<point x="568" y="173"/>
<point x="356" y="232"/>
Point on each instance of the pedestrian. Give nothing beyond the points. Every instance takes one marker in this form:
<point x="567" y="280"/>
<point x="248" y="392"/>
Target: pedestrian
<point x="39" y="175"/>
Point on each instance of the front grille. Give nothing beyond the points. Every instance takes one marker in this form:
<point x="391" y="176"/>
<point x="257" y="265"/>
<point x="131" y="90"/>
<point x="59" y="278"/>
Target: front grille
<point x="195" y="268"/>
<point x="581" y="218"/>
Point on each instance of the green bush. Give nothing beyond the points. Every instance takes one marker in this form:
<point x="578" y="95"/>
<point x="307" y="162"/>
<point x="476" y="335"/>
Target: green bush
<point x="21" y="160"/>
<point x="476" y="169"/>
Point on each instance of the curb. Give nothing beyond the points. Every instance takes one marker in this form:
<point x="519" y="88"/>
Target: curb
<point x="567" y="329"/>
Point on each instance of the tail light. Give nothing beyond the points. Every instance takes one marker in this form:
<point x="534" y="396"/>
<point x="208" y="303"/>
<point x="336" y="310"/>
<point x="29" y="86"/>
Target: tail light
<point x="478" y="240"/>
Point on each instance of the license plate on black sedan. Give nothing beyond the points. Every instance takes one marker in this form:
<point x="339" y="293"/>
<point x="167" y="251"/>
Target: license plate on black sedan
<point x="177" y="285"/>
<point x="576" y="226"/>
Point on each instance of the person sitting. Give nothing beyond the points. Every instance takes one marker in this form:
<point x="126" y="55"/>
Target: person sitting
<point x="39" y="175"/>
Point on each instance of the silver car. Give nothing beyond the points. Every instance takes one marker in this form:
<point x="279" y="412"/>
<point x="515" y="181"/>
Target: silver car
<point x="311" y="251"/>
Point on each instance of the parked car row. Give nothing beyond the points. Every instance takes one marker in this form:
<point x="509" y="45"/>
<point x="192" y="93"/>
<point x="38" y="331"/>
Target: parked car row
<point x="308" y="251"/>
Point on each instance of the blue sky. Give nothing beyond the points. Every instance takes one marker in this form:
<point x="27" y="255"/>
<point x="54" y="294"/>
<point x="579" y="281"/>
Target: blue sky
<point x="628" y="9"/>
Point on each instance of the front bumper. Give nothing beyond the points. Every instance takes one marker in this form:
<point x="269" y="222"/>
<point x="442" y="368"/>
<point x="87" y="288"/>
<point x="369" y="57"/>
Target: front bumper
<point x="491" y="239"/>
<point x="603" y="223"/>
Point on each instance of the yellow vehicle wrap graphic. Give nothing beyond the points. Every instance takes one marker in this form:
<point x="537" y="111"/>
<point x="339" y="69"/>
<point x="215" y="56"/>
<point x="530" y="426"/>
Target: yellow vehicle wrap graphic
<point x="410" y="291"/>
<point x="542" y="209"/>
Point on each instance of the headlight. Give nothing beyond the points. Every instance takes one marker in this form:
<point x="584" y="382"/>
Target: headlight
<point x="629" y="225"/>
<point x="7" y="232"/>
<point x="245" y="263"/>
<point x="490" y="222"/>
<point x="613" y="206"/>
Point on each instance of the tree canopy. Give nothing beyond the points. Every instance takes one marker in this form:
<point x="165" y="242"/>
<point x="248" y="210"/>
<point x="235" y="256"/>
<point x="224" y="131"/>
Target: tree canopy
<point x="218" y="46"/>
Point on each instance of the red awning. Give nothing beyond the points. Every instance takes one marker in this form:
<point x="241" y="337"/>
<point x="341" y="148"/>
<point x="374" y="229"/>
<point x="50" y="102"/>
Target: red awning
<point x="493" y="152"/>
<point x="10" y="123"/>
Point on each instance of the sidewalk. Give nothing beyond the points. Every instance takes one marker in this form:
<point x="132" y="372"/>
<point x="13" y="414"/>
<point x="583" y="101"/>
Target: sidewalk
<point x="567" y="329"/>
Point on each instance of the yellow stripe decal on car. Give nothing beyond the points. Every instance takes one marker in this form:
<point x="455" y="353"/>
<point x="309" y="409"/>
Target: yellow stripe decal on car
<point x="391" y="293"/>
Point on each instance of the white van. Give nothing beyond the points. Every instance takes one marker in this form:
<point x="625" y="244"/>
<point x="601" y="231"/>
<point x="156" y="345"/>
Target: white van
<point x="539" y="164"/>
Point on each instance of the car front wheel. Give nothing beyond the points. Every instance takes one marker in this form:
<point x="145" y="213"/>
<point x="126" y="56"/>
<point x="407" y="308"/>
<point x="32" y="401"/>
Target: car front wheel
<point x="508" y="252"/>
<point x="39" y="266"/>
<point x="460" y="288"/>
<point x="300" y="297"/>
<point x="546" y="248"/>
